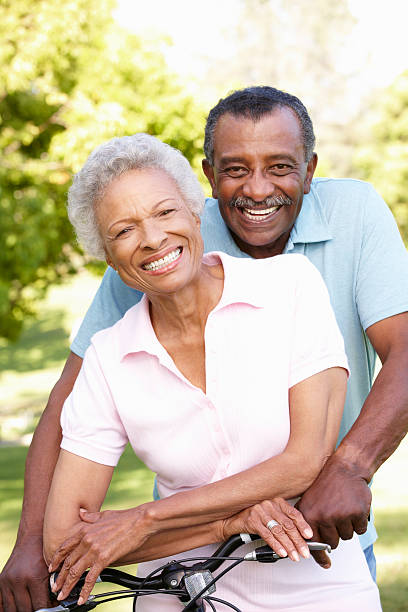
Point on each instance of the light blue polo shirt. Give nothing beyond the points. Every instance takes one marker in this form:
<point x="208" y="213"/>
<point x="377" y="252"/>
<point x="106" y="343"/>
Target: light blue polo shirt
<point x="348" y="232"/>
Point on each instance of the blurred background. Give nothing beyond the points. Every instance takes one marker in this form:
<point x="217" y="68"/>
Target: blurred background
<point x="75" y="73"/>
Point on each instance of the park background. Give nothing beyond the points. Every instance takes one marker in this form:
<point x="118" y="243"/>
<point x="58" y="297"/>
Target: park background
<point x="76" y="73"/>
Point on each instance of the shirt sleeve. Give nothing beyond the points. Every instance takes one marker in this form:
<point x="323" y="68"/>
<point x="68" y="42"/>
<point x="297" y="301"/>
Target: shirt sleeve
<point x="317" y="343"/>
<point x="91" y="425"/>
<point x="110" y="303"/>
<point x="382" y="278"/>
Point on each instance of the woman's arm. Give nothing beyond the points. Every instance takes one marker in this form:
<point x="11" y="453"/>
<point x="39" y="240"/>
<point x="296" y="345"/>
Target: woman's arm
<point x="316" y="406"/>
<point x="77" y="483"/>
<point x="315" y="412"/>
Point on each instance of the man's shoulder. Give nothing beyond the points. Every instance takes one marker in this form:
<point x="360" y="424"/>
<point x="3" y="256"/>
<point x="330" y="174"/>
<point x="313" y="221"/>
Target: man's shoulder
<point x="345" y="190"/>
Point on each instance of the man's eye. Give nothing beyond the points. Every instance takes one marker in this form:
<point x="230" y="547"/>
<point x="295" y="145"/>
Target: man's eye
<point x="280" y="169"/>
<point x="166" y="212"/>
<point x="235" y="171"/>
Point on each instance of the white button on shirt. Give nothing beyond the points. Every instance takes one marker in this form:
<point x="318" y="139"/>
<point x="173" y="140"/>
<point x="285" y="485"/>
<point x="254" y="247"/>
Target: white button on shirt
<point x="272" y="328"/>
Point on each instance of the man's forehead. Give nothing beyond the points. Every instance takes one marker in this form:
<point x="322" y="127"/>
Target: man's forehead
<point x="273" y="133"/>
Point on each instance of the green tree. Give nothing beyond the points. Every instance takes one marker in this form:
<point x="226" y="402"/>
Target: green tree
<point x="68" y="81"/>
<point x="383" y="160"/>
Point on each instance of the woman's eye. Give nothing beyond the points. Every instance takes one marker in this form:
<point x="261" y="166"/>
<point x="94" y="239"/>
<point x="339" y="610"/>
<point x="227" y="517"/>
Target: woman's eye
<point x="123" y="231"/>
<point x="166" y="212"/>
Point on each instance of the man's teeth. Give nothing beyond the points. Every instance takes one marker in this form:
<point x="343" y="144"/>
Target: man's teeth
<point x="257" y="213"/>
<point x="164" y="261"/>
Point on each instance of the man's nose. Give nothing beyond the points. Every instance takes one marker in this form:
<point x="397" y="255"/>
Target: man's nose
<point x="258" y="186"/>
<point x="152" y="236"/>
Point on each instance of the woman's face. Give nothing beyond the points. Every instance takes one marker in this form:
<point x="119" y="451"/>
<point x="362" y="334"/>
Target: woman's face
<point x="150" y="235"/>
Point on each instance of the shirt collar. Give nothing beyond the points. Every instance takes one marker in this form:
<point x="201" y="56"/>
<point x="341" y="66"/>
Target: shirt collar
<point x="311" y="224"/>
<point x="136" y="333"/>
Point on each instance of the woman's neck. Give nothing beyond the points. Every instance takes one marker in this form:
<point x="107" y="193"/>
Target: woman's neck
<point x="186" y="311"/>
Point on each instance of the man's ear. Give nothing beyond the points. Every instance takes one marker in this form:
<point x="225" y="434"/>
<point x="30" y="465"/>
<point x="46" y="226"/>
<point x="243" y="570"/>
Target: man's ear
<point x="311" y="167"/>
<point x="209" y="173"/>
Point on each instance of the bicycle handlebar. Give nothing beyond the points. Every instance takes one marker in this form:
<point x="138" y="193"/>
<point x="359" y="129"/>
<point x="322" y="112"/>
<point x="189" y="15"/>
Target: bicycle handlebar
<point x="175" y="576"/>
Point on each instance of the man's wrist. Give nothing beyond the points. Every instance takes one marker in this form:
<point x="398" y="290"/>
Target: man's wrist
<point x="351" y="460"/>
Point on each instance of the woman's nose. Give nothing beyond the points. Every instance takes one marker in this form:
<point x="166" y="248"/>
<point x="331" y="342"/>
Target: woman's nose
<point x="152" y="237"/>
<point x="257" y="186"/>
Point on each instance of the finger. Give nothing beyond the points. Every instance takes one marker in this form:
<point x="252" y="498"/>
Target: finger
<point x="62" y="552"/>
<point x="322" y="558"/>
<point x="288" y="534"/>
<point x="72" y="561"/>
<point x="89" y="517"/>
<point x="360" y="524"/>
<point x="329" y="535"/>
<point x="290" y="539"/>
<point x="39" y="594"/>
<point x="297" y="517"/>
<point x="8" y="600"/>
<point x="89" y="583"/>
<point x="345" y="529"/>
<point x="74" y="574"/>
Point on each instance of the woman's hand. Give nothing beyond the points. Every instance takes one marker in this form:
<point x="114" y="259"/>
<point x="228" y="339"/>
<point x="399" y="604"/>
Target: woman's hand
<point x="287" y="538"/>
<point x="98" y="541"/>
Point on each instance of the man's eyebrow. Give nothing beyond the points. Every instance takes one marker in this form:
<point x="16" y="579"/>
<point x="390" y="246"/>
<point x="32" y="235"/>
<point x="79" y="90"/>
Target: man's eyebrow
<point x="233" y="160"/>
<point x="274" y="157"/>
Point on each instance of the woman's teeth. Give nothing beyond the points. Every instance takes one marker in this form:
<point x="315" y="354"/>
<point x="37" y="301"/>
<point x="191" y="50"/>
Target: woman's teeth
<point x="260" y="213"/>
<point x="164" y="261"/>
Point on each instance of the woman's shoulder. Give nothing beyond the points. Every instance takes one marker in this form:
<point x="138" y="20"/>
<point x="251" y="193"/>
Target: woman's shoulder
<point x="293" y="264"/>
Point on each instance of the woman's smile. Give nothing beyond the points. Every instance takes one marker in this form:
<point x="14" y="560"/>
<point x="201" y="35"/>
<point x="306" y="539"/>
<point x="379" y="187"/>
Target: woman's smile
<point x="164" y="263"/>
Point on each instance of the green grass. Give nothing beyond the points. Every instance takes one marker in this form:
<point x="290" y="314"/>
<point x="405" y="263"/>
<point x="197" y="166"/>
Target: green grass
<point x="30" y="367"/>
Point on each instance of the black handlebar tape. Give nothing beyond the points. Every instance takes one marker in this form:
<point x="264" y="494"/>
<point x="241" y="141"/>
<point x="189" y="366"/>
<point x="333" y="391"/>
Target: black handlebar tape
<point x="226" y="549"/>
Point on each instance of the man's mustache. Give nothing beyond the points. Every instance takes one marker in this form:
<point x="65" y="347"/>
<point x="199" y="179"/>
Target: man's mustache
<point x="268" y="202"/>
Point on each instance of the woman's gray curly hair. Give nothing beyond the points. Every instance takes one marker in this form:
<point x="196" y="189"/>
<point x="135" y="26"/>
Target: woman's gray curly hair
<point x="110" y="160"/>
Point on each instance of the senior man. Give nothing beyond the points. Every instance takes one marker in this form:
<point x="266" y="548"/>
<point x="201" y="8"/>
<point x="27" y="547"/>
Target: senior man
<point x="260" y="163"/>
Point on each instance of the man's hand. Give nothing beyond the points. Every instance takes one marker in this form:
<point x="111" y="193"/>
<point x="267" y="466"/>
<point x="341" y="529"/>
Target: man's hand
<point x="336" y="505"/>
<point x="24" y="579"/>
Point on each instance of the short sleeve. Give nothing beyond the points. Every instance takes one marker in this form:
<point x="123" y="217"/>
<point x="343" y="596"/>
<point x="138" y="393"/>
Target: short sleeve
<point x="382" y="278"/>
<point x="317" y="343"/>
<point x="110" y="303"/>
<point x="91" y="426"/>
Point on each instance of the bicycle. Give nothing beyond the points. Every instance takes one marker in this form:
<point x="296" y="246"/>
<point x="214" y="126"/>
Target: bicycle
<point x="194" y="585"/>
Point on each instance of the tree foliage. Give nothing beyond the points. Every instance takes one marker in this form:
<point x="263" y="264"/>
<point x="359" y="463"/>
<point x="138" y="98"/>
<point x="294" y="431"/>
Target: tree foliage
<point x="383" y="160"/>
<point x="68" y="81"/>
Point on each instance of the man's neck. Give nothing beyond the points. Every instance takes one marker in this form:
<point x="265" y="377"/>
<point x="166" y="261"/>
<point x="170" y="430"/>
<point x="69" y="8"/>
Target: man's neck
<point x="262" y="251"/>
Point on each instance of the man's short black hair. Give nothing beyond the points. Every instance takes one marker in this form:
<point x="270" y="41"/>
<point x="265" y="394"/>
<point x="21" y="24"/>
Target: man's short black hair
<point x="254" y="103"/>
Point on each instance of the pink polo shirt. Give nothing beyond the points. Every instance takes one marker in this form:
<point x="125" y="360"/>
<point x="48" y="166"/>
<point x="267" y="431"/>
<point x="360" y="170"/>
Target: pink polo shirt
<point x="272" y="328"/>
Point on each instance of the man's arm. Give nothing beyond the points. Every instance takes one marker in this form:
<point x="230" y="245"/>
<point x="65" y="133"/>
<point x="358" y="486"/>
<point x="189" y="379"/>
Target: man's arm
<point x="338" y="502"/>
<point x="24" y="579"/>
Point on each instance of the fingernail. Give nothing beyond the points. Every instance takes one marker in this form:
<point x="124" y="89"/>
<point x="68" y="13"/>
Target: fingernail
<point x="305" y="552"/>
<point x="282" y="552"/>
<point x="81" y="600"/>
<point x="60" y="596"/>
<point x="308" y="533"/>
<point x="295" y="556"/>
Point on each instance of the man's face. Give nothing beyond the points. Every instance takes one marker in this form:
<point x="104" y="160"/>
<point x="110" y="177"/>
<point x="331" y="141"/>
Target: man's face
<point x="259" y="177"/>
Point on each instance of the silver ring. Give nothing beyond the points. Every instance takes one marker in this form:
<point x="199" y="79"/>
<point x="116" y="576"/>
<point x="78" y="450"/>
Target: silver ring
<point x="271" y="524"/>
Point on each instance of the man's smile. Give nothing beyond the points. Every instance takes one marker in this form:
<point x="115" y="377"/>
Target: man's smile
<point x="259" y="214"/>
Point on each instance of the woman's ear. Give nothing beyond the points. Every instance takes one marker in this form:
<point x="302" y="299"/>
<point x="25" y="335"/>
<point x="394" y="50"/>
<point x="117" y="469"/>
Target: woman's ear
<point x="197" y="219"/>
<point x="109" y="261"/>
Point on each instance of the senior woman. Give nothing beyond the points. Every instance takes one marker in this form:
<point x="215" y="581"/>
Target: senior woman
<point x="228" y="379"/>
